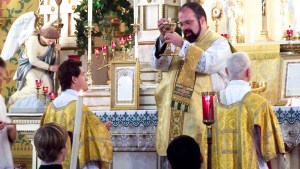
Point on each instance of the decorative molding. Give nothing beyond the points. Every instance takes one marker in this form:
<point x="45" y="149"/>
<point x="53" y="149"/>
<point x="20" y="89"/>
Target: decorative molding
<point x="126" y="119"/>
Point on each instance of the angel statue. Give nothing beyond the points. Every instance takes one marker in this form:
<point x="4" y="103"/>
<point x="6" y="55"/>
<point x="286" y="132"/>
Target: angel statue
<point x="36" y="60"/>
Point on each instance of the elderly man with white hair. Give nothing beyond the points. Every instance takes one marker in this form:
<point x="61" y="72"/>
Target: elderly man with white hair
<point x="246" y="133"/>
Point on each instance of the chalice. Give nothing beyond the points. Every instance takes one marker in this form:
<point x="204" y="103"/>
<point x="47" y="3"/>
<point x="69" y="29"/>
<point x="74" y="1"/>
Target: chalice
<point x="168" y="27"/>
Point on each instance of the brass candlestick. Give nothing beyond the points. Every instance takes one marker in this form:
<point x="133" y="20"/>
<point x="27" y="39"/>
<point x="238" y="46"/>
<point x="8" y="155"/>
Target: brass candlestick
<point x="38" y="84"/>
<point x="89" y="62"/>
<point x="38" y="87"/>
<point x="168" y="27"/>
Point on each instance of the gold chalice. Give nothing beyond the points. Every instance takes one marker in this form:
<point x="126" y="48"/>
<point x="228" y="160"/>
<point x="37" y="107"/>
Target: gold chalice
<point x="257" y="87"/>
<point x="168" y="27"/>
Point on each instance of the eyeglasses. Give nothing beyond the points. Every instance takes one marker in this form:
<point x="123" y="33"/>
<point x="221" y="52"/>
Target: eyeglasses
<point x="187" y="23"/>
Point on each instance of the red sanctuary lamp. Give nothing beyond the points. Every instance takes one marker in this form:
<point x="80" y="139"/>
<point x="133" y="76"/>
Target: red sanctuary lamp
<point x="208" y="119"/>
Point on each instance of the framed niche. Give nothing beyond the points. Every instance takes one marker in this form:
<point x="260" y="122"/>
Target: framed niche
<point x="125" y="84"/>
<point x="290" y="78"/>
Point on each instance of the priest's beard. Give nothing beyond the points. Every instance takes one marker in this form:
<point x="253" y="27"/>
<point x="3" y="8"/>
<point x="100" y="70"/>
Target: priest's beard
<point x="192" y="37"/>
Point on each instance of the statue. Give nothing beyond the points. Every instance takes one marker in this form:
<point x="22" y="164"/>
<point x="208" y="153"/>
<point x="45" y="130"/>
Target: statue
<point x="294" y="9"/>
<point x="263" y="2"/>
<point x="230" y="12"/>
<point x="36" y="60"/>
<point x="283" y="13"/>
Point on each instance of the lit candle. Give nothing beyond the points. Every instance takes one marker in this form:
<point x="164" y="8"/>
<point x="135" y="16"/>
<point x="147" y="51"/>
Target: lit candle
<point x="45" y="89"/>
<point x="113" y="45"/>
<point x="52" y="95"/>
<point x="76" y="132"/>
<point x="97" y="51"/>
<point x="208" y="106"/>
<point x="122" y="40"/>
<point x="205" y="106"/>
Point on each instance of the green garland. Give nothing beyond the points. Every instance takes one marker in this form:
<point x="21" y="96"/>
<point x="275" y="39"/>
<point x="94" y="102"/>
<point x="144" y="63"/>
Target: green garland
<point x="101" y="9"/>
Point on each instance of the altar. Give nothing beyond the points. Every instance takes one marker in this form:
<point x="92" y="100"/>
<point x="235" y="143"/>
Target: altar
<point x="133" y="135"/>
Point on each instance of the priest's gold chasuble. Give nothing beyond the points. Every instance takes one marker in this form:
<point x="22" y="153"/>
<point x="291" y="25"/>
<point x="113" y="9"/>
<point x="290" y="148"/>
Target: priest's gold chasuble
<point x="95" y="142"/>
<point x="233" y="134"/>
<point x="178" y="96"/>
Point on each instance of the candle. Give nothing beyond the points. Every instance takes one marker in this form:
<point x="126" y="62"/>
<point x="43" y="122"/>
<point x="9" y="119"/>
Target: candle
<point x="52" y="95"/>
<point x="90" y="10"/>
<point x="97" y="51"/>
<point x="113" y="45"/>
<point x="205" y="106"/>
<point x="90" y="20"/>
<point x="208" y="106"/>
<point x="122" y="40"/>
<point x="45" y="89"/>
<point x="76" y="132"/>
<point x="135" y="9"/>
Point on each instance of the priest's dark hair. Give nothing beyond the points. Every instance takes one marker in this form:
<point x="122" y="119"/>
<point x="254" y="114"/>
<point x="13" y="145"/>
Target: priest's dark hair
<point x="66" y="71"/>
<point x="183" y="152"/>
<point x="196" y="8"/>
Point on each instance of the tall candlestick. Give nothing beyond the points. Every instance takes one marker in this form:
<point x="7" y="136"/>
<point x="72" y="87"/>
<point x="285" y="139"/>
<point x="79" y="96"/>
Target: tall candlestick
<point x="76" y="131"/>
<point x="136" y="46"/>
<point x="90" y="20"/>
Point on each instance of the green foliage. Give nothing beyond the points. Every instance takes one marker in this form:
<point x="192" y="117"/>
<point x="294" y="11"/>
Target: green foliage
<point x="101" y="9"/>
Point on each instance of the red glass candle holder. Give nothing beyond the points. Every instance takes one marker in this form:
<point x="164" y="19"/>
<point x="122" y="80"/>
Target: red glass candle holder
<point x="208" y="107"/>
<point x="45" y="89"/>
<point x="52" y="96"/>
<point x="113" y="45"/>
<point x="97" y="51"/>
<point x="122" y="40"/>
<point x="38" y="82"/>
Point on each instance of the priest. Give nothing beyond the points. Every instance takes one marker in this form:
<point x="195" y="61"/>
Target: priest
<point x="199" y="66"/>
